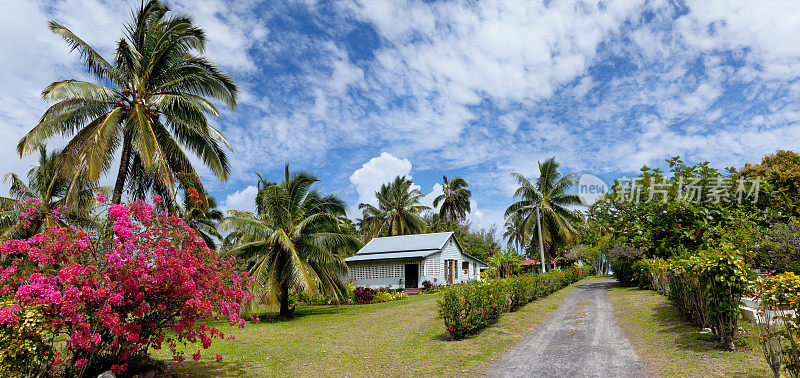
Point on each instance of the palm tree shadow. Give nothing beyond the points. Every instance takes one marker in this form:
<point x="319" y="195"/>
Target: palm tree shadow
<point x="300" y="312"/>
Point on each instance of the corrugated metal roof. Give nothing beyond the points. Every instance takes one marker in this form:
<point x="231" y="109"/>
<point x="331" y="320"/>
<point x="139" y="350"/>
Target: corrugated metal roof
<point x="391" y="255"/>
<point x="419" y="242"/>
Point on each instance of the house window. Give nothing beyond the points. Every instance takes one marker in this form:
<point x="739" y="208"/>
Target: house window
<point x="465" y="267"/>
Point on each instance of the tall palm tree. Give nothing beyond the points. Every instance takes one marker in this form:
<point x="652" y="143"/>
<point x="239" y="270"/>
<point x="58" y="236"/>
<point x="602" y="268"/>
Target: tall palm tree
<point x="203" y="218"/>
<point x="150" y="102"/>
<point x="72" y="197"/>
<point x="548" y="198"/>
<point x="454" y="199"/>
<point x="292" y="241"/>
<point x="399" y="211"/>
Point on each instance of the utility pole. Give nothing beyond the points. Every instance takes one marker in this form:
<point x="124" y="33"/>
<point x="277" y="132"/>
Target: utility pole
<point x="541" y="243"/>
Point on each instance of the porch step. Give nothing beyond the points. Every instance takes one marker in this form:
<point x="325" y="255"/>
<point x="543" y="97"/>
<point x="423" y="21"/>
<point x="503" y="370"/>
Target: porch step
<point x="411" y="291"/>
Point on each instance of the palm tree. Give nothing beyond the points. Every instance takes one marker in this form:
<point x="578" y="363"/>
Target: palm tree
<point x="516" y="235"/>
<point x="292" y="241"/>
<point x="545" y="203"/>
<point x="504" y="262"/>
<point x="73" y="198"/>
<point x="203" y="218"/>
<point x="398" y="211"/>
<point x="454" y="200"/>
<point x="150" y="102"/>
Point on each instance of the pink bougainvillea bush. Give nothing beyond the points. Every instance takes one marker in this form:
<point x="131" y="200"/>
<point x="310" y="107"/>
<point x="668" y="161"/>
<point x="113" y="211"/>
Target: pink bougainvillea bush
<point x="79" y="302"/>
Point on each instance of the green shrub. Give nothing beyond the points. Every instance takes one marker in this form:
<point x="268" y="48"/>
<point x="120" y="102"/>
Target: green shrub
<point x="468" y="308"/>
<point x="706" y="286"/>
<point x="780" y="337"/>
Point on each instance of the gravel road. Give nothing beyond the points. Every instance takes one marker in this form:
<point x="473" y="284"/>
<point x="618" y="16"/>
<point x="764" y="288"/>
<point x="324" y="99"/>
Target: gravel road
<point x="581" y="339"/>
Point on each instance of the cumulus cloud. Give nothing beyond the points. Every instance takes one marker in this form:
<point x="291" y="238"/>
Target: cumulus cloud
<point x="241" y="200"/>
<point x="376" y="172"/>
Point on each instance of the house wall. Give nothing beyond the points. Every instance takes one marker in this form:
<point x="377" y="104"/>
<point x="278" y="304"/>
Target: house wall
<point x="452" y="251"/>
<point x="388" y="273"/>
<point x="377" y="274"/>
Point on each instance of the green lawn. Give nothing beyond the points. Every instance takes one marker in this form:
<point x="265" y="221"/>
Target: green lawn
<point x="670" y="346"/>
<point x="392" y="338"/>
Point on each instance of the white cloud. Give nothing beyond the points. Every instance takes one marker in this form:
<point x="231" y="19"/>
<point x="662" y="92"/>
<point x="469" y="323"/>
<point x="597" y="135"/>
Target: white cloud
<point x="244" y="199"/>
<point x="376" y="172"/>
<point x="436" y="191"/>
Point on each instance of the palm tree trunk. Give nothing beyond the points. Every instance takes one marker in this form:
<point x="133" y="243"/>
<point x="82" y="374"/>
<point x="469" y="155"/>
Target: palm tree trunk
<point x="284" y="299"/>
<point x="541" y="243"/>
<point x="123" y="169"/>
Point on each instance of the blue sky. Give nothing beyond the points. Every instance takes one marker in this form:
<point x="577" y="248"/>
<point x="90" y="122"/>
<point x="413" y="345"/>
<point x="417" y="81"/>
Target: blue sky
<point x="360" y="91"/>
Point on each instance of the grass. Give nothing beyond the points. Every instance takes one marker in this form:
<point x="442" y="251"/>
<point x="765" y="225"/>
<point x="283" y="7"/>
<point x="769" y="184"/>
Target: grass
<point x="392" y="338"/>
<point x="671" y="346"/>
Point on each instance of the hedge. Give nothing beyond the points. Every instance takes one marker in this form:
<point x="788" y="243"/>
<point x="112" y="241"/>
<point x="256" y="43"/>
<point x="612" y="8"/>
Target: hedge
<point x="468" y="308"/>
<point x="707" y="287"/>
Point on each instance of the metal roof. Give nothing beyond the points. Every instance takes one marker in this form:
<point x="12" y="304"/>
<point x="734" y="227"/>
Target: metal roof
<point x="391" y="255"/>
<point x="406" y="243"/>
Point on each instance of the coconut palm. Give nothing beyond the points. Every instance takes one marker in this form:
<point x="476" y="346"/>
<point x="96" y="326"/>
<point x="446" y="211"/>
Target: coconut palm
<point x="504" y="262"/>
<point x="547" y="197"/>
<point x="151" y="102"/>
<point x="292" y="240"/>
<point x="399" y="211"/>
<point x="516" y="235"/>
<point x="454" y="199"/>
<point x="203" y="218"/>
<point x="72" y="197"/>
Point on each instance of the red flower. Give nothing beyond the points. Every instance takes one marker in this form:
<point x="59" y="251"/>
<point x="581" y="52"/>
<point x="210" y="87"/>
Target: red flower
<point x="219" y="358"/>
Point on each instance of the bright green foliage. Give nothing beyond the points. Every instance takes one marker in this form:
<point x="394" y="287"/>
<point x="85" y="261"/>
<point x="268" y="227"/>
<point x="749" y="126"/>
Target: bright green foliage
<point x="470" y="307"/>
<point x="781" y="190"/>
<point x="399" y="211"/>
<point x="386" y="296"/>
<point x="780" y="294"/>
<point x="707" y="286"/>
<point x="454" y="200"/>
<point x="23" y="345"/>
<point x="504" y="264"/>
<point x="293" y="241"/>
<point x="151" y="102"/>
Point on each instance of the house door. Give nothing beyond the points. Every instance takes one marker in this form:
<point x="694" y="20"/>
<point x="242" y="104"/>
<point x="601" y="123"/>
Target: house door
<point x="412" y="276"/>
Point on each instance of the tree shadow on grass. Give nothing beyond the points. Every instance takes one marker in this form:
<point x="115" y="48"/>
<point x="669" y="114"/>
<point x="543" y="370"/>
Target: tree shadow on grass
<point x="274" y="317"/>
<point x="207" y="369"/>
<point x="685" y="334"/>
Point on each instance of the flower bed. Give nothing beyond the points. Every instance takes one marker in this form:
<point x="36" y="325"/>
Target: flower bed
<point x="470" y="307"/>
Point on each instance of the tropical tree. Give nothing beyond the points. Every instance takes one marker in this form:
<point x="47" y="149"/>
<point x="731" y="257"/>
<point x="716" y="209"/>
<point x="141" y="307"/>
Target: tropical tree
<point x="504" y="263"/>
<point x="516" y="235"/>
<point x="547" y="197"/>
<point x="292" y="240"/>
<point x="454" y="200"/>
<point x="151" y="102"/>
<point x="47" y="190"/>
<point x="201" y="216"/>
<point x="399" y="211"/>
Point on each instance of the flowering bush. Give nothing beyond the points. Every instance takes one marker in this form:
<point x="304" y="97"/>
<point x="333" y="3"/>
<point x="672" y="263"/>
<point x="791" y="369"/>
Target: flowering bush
<point x="148" y="281"/>
<point x="363" y="295"/>
<point x="468" y="308"/>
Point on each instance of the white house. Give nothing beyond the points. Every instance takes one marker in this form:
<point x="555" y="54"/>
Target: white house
<point x="409" y="260"/>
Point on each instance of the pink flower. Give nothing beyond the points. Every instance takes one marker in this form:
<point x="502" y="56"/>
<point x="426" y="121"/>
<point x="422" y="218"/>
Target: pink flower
<point x="156" y="199"/>
<point x="196" y="356"/>
<point x="81" y="363"/>
<point x="219" y="358"/>
<point x="102" y="198"/>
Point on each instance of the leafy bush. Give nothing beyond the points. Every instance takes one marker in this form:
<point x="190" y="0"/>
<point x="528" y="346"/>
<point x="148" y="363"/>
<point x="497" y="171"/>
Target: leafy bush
<point x="706" y="286"/>
<point x="149" y="283"/>
<point x="468" y="308"/>
<point x="778" y="327"/>
<point x="382" y="296"/>
<point x="364" y="295"/>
